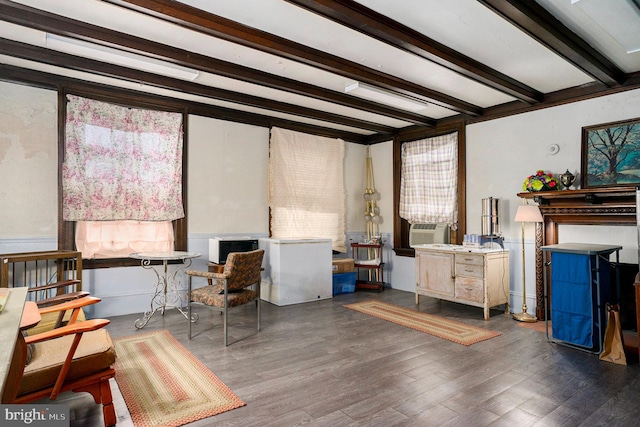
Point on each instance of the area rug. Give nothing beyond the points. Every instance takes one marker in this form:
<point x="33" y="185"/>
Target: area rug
<point x="165" y="385"/>
<point x="433" y="325"/>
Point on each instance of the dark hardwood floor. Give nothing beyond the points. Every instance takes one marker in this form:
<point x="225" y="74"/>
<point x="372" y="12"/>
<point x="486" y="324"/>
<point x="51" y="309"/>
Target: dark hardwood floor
<point x="323" y="365"/>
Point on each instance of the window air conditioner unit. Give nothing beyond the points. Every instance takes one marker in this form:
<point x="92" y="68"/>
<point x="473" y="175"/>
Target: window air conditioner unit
<point x="422" y="234"/>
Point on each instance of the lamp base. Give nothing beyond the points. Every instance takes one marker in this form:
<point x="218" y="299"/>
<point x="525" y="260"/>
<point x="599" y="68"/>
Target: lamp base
<point x="525" y="317"/>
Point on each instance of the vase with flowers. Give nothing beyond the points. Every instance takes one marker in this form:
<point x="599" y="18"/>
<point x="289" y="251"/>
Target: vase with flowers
<point x="540" y="181"/>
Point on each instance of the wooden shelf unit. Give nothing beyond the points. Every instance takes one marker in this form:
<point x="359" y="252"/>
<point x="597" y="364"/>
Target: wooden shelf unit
<point x="372" y="264"/>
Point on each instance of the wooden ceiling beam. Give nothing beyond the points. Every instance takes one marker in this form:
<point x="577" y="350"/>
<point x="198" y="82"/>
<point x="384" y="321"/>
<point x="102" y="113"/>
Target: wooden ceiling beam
<point x="46" y="56"/>
<point x="354" y="15"/>
<point x="560" y="97"/>
<point x="13" y="74"/>
<point x="207" y="23"/>
<point x="55" y="24"/>
<point x="538" y="23"/>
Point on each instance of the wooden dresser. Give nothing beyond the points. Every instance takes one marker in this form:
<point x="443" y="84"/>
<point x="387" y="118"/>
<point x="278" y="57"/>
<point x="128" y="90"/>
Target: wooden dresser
<point x="477" y="277"/>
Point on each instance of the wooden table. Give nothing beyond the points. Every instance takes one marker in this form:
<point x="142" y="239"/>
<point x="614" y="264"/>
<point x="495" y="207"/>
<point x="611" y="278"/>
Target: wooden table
<point x="10" y="324"/>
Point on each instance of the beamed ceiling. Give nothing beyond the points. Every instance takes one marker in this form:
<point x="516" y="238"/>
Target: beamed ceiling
<point x="287" y="62"/>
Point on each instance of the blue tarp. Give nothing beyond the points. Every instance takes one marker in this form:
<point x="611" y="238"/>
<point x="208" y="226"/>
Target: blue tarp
<point x="574" y="310"/>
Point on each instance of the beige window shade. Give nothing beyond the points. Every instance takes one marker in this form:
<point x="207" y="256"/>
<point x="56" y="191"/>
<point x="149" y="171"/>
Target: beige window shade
<point x="429" y="180"/>
<point x="306" y="187"/>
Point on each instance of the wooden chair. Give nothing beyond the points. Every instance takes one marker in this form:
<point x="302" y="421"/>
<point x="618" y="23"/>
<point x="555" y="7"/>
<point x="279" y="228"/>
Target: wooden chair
<point x="77" y="357"/>
<point x="230" y="288"/>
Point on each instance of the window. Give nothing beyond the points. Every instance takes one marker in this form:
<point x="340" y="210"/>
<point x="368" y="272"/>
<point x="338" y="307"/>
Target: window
<point x="306" y="187"/>
<point x="121" y="177"/>
<point x="401" y="226"/>
<point x="429" y="180"/>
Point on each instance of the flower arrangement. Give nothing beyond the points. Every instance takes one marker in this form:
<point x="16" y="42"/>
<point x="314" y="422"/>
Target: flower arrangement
<point x="540" y="181"/>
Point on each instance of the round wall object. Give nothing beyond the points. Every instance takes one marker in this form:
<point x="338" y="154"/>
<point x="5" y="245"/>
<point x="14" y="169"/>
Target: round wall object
<point x="553" y="149"/>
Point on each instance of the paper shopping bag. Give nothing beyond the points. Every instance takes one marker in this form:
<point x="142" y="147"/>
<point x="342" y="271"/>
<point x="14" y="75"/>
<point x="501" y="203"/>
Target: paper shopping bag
<point x="613" y="346"/>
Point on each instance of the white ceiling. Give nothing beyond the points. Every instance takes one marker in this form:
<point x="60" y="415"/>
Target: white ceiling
<point x="466" y="26"/>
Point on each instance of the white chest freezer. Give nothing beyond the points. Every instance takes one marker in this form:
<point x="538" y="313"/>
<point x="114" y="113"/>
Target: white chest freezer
<point x="296" y="271"/>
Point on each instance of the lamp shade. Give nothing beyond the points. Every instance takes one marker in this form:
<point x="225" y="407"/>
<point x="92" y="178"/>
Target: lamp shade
<point x="528" y="213"/>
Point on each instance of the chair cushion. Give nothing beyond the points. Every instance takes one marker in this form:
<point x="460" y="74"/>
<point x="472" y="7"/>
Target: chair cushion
<point x="211" y="295"/>
<point x="94" y="354"/>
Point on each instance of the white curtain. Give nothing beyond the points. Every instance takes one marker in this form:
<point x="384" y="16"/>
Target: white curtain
<point x="306" y="187"/>
<point x="429" y="180"/>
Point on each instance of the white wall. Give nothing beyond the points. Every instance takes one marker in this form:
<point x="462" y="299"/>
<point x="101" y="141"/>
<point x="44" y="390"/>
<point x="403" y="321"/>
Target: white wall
<point x="28" y="162"/>
<point x="355" y="182"/>
<point x="501" y="154"/>
<point x="382" y="160"/>
<point x="227" y="191"/>
<point x="228" y="184"/>
<point x="223" y="198"/>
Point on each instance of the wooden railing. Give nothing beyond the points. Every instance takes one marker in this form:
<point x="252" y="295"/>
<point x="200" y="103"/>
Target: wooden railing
<point x="47" y="274"/>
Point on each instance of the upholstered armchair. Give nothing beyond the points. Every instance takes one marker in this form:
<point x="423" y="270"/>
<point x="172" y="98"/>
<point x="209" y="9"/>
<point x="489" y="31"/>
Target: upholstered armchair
<point x="78" y="357"/>
<point x="238" y="284"/>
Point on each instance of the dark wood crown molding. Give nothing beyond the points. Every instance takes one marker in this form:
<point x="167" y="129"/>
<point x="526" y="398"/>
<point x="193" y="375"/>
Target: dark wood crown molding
<point x="141" y="99"/>
<point x="538" y="23"/>
<point x="346" y="12"/>
<point x="353" y="15"/>
<point x="225" y="29"/>
<point x="55" y="24"/>
<point x="42" y="55"/>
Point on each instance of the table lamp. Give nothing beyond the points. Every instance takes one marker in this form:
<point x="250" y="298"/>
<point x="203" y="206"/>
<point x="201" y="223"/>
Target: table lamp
<point x="524" y="214"/>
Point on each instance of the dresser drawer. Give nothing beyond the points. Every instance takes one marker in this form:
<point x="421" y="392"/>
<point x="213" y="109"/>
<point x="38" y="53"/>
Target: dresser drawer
<point x="469" y="259"/>
<point x="469" y="289"/>
<point x="470" y="270"/>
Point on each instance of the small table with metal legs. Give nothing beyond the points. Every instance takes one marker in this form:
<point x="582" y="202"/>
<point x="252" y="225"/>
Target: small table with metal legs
<point x="166" y="289"/>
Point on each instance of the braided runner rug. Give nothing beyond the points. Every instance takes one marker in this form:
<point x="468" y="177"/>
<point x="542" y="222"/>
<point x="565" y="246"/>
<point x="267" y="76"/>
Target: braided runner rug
<point x="433" y="325"/>
<point x="165" y="385"/>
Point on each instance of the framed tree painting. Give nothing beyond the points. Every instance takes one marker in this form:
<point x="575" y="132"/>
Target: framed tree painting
<point x="611" y="154"/>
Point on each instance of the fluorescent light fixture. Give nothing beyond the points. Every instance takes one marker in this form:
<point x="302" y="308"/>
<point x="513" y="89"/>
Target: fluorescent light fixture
<point x="382" y="96"/>
<point x="119" y="57"/>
